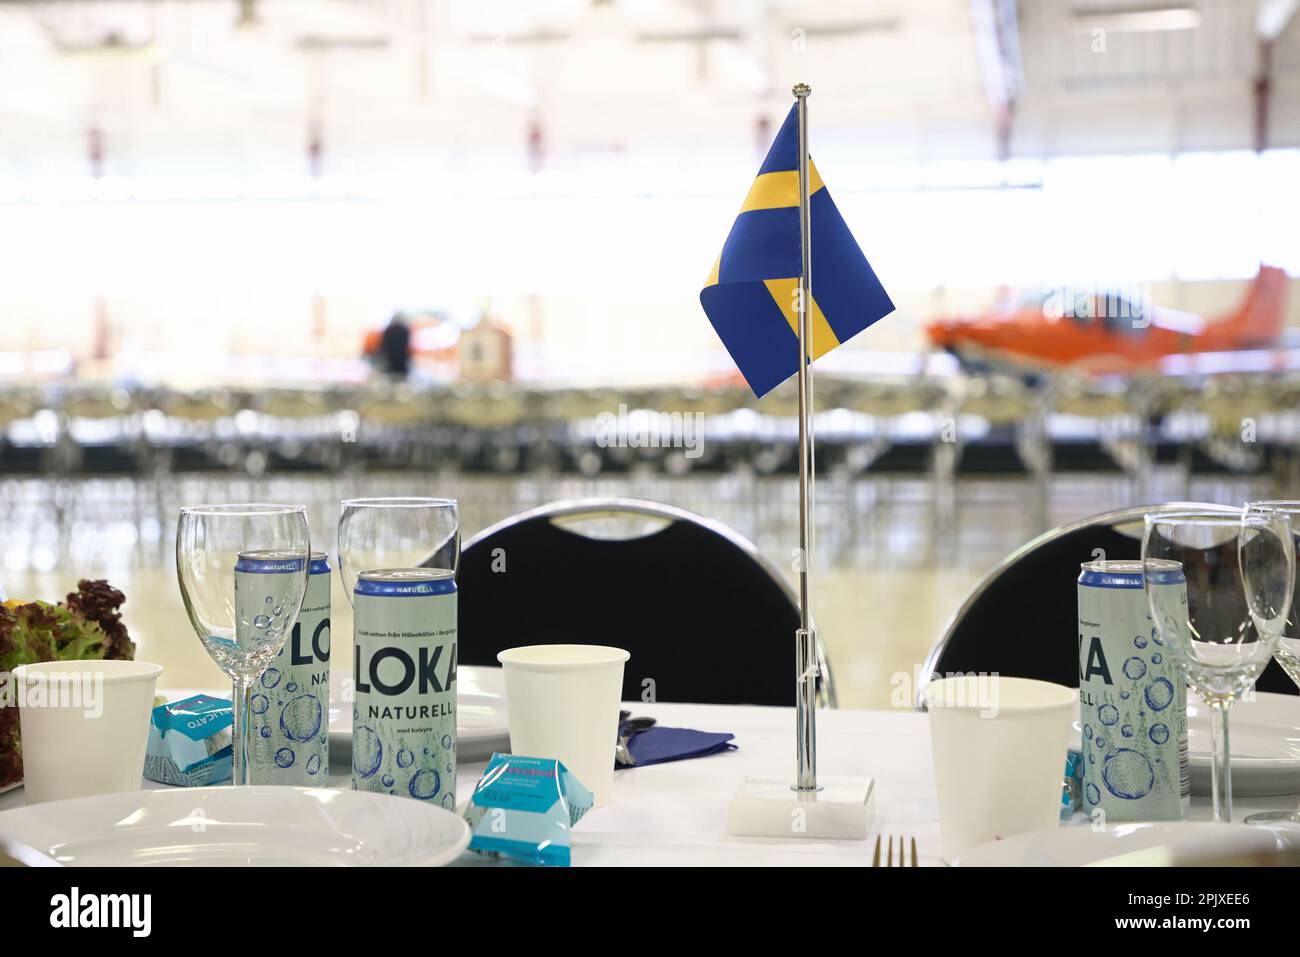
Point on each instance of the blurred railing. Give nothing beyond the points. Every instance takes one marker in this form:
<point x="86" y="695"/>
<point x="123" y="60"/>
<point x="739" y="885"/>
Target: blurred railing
<point x="938" y="427"/>
<point x="94" y="475"/>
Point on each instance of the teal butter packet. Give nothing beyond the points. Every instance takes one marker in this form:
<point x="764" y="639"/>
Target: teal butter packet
<point x="523" y="808"/>
<point x="1072" y="787"/>
<point x="189" y="742"/>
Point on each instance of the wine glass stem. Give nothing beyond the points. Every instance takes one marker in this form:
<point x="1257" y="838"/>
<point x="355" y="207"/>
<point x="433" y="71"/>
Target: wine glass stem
<point x="1221" y="769"/>
<point x="243" y="721"/>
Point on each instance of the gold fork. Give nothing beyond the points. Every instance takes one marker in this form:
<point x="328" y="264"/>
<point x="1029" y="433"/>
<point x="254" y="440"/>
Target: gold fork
<point x="904" y="859"/>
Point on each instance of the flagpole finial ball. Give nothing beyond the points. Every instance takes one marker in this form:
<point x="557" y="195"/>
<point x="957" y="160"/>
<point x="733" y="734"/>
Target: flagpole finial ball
<point x="801" y="89"/>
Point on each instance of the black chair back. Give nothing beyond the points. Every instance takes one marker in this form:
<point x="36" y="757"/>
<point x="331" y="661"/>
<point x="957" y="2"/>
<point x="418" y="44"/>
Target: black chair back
<point x="705" y="618"/>
<point x="1022" y="620"/>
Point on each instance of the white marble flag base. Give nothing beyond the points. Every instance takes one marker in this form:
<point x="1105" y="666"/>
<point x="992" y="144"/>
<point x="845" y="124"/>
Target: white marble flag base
<point x="841" y="809"/>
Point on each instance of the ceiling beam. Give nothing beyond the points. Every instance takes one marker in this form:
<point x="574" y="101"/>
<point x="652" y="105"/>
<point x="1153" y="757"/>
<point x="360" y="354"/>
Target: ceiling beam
<point x="997" y="49"/>
<point x="1272" y="19"/>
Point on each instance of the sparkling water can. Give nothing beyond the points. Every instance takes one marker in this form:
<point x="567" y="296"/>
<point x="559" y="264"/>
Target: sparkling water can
<point x="1132" y="697"/>
<point x="404" y="670"/>
<point x="290" y="705"/>
<point x="265" y="582"/>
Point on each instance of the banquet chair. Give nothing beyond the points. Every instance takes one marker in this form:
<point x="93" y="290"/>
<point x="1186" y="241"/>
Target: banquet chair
<point x="296" y="428"/>
<point x="398" y="426"/>
<point x="1022" y="619"/>
<point x="706" y="618"/>
<point x="99" y="430"/>
<point x="487" y="417"/>
<point x="1107" y="416"/>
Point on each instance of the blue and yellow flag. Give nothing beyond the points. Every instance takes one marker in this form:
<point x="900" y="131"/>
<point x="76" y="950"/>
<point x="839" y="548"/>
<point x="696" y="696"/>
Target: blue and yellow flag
<point x="751" y="294"/>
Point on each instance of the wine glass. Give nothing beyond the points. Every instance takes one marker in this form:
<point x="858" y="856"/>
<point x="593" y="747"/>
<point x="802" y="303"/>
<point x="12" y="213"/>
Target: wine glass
<point x="243" y="573"/>
<point x="1239" y="569"/>
<point x="1287" y="652"/>
<point x="397" y="533"/>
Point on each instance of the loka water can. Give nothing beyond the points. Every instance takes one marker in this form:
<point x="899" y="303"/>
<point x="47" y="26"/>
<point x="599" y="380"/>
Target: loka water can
<point x="291" y="701"/>
<point x="265" y="582"/>
<point x="1132" y="698"/>
<point x="404" y="668"/>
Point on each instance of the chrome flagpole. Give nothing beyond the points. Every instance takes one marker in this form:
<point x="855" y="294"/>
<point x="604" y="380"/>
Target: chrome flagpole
<point x="807" y="667"/>
<point x="839" y="807"/>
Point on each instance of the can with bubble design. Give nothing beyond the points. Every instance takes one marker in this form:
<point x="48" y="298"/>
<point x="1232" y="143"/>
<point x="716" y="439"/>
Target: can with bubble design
<point x="404" y="670"/>
<point x="1132" y="697"/>
<point x="289" y="726"/>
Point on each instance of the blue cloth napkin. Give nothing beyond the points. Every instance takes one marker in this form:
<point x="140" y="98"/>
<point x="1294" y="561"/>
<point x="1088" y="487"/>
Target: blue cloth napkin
<point x="657" y="744"/>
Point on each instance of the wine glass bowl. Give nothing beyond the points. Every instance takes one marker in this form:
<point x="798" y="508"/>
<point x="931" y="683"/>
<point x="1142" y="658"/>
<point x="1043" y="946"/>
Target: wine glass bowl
<point x="1266" y="550"/>
<point x="1223" y="632"/>
<point x="242" y="571"/>
<point x="1287" y="652"/>
<point x="396" y="533"/>
<point x="1239" y="573"/>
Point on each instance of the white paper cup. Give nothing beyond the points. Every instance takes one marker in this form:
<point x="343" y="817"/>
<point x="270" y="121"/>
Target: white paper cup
<point x="999" y="749"/>
<point x="563" y="703"/>
<point x="84" y="726"/>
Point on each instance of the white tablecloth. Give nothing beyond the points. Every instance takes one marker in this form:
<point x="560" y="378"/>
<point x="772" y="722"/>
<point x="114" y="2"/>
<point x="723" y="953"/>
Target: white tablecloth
<point x="676" y="813"/>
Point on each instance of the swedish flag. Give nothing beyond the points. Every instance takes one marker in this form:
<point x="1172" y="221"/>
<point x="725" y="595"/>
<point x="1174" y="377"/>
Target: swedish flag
<point x="751" y="294"/>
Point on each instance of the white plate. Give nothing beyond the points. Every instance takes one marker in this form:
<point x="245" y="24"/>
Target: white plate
<point x="1265" y="738"/>
<point x="1164" y="844"/>
<point x="224" y="826"/>
<point x="481" y="722"/>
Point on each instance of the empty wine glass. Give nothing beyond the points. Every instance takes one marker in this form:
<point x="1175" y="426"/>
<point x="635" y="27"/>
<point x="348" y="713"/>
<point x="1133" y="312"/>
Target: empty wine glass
<point x="243" y="573"/>
<point x="1287" y="652"/>
<point x="1239" y="568"/>
<point x="396" y="533"/>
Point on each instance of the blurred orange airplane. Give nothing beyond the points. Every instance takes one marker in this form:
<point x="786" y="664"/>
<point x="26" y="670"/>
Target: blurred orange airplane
<point x="1101" y="332"/>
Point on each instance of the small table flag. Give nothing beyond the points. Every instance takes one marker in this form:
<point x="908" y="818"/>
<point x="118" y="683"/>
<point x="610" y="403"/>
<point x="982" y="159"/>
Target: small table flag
<point x="751" y="296"/>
